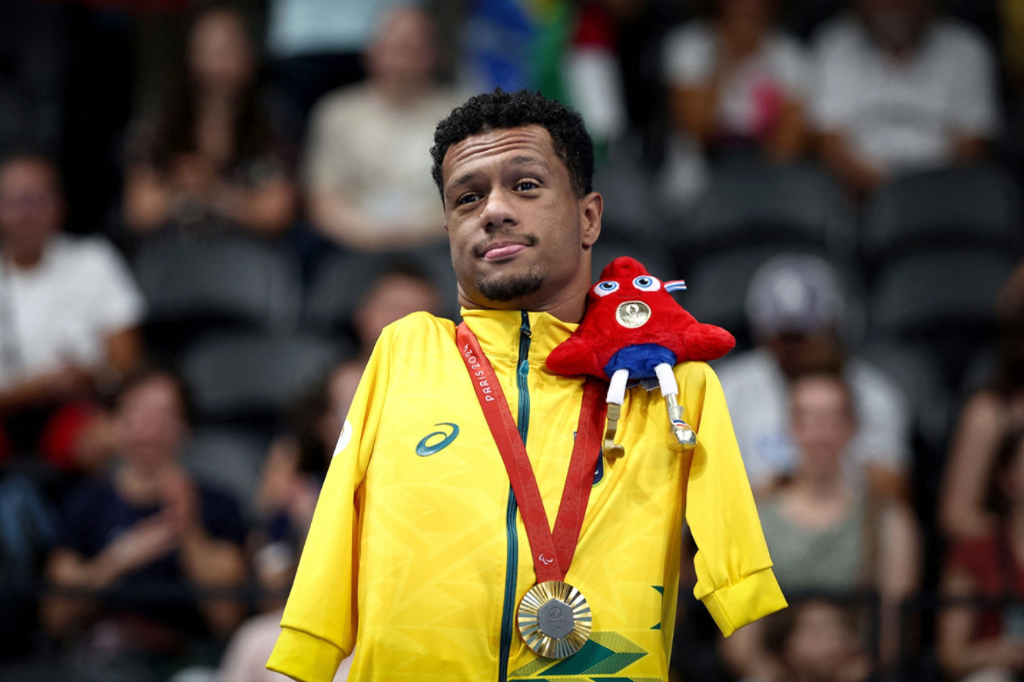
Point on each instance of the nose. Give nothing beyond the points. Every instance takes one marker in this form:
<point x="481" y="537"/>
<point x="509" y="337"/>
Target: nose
<point x="498" y="212"/>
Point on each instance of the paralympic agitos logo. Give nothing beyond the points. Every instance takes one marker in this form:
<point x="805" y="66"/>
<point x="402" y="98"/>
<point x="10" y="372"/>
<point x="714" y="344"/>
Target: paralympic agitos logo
<point x="425" y="448"/>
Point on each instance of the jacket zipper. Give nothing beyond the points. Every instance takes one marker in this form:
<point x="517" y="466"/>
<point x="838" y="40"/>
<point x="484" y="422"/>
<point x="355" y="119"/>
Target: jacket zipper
<point x="512" y="558"/>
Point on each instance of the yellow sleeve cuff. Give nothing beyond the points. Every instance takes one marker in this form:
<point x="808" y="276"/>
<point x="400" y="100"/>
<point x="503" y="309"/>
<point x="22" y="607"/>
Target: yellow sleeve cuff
<point x="752" y="598"/>
<point x="304" y="657"/>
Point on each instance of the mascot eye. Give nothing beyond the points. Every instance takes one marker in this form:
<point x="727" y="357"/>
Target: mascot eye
<point x="647" y="283"/>
<point x="605" y="288"/>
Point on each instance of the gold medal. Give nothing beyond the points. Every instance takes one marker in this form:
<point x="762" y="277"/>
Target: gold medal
<point x="632" y="314"/>
<point x="554" y="619"/>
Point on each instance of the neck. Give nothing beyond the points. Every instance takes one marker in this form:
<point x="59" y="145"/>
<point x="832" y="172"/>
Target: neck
<point x="569" y="310"/>
<point x="24" y="258"/>
<point x="399" y="94"/>
<point x="141" y="485"/>
<point x="820" y="485"/>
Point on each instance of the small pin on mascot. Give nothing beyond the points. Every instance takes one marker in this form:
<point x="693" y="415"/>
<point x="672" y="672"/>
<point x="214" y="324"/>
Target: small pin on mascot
<point x="634" y="329"/>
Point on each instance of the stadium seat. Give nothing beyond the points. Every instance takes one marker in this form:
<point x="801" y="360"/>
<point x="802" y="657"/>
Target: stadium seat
<point x="250" y="380"/>
<point x="918" y="372"/>
<point x="953" y="208"/>
<point x="630" y="210"/>
<point x="229" y="459"/>
<point x="944" y="299"/>
<point x="750" y="203"/>
<point x="194" y="288"/>
<point x="606" y="250"/>
<point x="344" y="278"/>
<point x="717" y="290"/>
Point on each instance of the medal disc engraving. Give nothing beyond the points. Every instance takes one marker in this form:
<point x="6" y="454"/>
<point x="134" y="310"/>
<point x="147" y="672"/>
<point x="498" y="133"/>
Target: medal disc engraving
<point x="554" y="619"/>
<point x="632" y="314"/>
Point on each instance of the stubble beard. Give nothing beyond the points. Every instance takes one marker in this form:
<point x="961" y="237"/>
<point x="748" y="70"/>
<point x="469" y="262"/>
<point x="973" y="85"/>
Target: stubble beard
<point x="503" y="289"/>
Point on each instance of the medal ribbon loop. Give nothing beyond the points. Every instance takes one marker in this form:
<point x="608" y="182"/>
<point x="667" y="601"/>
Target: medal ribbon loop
<point x="552" y="551"/>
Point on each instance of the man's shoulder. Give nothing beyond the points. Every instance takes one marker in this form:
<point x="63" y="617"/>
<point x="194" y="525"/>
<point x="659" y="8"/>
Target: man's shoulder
<point x="957" y="39"/>
<point x="341" y="103"/>
<point x="90" y="251"/>
<point x="418" y="328"/>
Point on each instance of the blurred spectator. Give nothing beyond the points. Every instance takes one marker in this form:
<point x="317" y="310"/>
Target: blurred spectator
<point x="985" y="643"/>
<point x="211" y="162"/>
<point x="247" y="654"/>
<point x="795" y="307"/>
<point x="818" y="641"/>
<point x="69" y="312"/>
<point x="298" y="462"/>
<point x="292" y="478"/>
<point x="737" y="82"/>
<point x="736" y="87"/>
<point x="989" y="417"/>
<point x="902" y="88"/>
<point x="823" y="534"/>
<point x="367" y="164"/>
<point x="146" y="527"/>
<point x="315" y="46"/>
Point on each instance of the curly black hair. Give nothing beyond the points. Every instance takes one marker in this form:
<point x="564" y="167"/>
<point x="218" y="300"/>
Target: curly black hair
<point x="500" y="110"/>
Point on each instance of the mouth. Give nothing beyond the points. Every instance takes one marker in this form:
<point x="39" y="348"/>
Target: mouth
<point x="501" y="250"/>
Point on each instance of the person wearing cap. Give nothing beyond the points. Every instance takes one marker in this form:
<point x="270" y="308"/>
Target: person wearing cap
<point x="795" y="307"/>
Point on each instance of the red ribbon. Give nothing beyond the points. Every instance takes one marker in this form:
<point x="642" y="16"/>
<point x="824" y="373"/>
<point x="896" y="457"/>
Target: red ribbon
<point x="552" y="552"/>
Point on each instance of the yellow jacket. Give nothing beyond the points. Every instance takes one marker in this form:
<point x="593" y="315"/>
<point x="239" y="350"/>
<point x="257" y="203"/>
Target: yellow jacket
<point x="414" y="552"/>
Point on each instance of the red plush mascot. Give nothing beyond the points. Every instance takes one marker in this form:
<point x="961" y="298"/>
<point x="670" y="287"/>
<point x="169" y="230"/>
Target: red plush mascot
<point x="633" y="328"/>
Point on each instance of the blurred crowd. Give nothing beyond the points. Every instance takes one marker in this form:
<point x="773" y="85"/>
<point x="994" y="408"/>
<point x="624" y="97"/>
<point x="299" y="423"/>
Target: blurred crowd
<point x="209" y="212"/>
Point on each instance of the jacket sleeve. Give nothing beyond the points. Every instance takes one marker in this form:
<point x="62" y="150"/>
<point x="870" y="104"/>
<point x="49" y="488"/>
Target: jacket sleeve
<point x="320" y="618"/>
<point x="734" y="572"/>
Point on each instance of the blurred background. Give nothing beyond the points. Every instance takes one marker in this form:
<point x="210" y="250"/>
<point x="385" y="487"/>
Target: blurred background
<point x="208" y="212"/>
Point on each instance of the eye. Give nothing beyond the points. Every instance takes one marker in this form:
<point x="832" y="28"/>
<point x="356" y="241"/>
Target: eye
<point x="465" y="199"/>
<point x="526" y="185"/>
<point x="605" y="288"/>
<point x="647" y="283"/>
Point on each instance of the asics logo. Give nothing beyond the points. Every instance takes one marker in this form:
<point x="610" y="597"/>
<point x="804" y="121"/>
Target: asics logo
<point x="425" y="448"/>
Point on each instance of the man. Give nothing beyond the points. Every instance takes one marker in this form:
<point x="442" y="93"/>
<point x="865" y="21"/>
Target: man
<point x="366" y="156"/>
<point x="795" y="307"/>
<point x="417" y="546"/>
<point x="902" y="89"/>
<point x="69" y="313"/>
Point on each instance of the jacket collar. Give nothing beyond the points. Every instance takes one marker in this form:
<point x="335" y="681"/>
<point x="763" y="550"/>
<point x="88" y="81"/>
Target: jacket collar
<point x="499" y="330"/>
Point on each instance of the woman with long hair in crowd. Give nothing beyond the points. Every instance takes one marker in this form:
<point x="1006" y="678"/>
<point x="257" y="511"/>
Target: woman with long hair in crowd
<point x="989" y="417"/>
<point x="211" y="162"/>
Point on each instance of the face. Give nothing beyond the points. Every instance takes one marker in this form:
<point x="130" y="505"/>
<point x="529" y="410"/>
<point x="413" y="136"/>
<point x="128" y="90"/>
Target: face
<point x="757" y="12"/>
<point x="391" y="299"/>
<point x="219" y="54"/>
<point x="800" y="352"/>
<point x="895" y="24"/>
<point x="520" y="236"/>
<point x="151" y="424"/>
<point x="821" y="641"/>
<point x="31" y="209"/>
<point x="403" y="51"/>
<point x="822" y="421"/>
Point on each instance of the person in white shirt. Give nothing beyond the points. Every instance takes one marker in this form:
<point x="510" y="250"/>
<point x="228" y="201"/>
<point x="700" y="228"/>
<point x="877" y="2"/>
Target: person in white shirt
<point x="69" y="310"/>
<point x="795" y="306"/>
<point x="366" y="165"/>
<point x="737" y="86"/>
<point x="738" y="80"/>
<point x="901" y="88"/>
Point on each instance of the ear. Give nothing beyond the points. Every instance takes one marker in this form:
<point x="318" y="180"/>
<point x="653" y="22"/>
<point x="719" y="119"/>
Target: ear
<point x="591" y="208"/>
